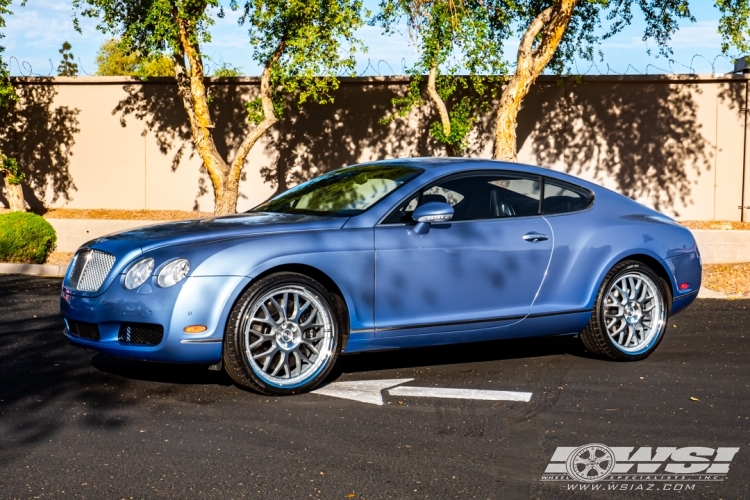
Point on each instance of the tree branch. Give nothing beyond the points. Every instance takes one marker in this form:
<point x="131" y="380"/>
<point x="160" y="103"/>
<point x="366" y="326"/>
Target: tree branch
<point x="192" y="89"/>
<point x="269" y="117"/>
<point x="437" y="101"/>
<point x="551" y="24"/>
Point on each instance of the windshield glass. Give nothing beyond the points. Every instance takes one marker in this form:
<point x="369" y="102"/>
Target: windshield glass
<point x="345" y="192"/>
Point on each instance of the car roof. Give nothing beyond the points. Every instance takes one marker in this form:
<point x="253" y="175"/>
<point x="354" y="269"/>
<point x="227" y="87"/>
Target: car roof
<point x="449" y="165"/>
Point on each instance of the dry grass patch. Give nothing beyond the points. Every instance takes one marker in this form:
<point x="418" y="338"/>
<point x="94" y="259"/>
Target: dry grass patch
<point x="714" y="224"/>
<point x="60" y="258"/>
<point x="732" y="279"/>
<point x="70" y="213"/>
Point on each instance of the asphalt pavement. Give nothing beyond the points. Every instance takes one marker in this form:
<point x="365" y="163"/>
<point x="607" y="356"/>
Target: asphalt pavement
<point x="77" y="424"/>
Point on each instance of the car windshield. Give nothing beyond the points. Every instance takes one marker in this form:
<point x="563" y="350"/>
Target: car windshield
<point x="345" y="192"/>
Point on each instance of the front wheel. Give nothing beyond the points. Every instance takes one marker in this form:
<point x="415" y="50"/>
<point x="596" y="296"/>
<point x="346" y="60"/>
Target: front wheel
<point x="630" y="314"/>
<point x="283" y="335"/>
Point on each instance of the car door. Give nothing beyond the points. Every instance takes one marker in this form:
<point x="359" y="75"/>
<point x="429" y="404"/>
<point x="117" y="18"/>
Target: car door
<point x="482" y="268"/>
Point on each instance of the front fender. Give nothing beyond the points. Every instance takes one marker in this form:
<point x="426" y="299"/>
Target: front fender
<point x="346" y="256"/>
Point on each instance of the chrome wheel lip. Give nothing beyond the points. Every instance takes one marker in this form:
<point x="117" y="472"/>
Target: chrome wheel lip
<point x="287" y="337"/>
<point x="634" y="313"/>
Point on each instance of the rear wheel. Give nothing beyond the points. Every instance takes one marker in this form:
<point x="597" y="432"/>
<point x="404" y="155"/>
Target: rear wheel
<point x="283" y="335"/>
<point x="630" y="314"/>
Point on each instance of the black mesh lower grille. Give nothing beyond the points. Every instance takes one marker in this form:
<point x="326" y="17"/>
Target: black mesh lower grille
<point x="141" y="333"/>
<point x="84" y="330"/>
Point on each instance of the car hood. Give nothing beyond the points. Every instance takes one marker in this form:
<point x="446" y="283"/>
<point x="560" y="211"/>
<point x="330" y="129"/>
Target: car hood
<point x="212" y="229"/>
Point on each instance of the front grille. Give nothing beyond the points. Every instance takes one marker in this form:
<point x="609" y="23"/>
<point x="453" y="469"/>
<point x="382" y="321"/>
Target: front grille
<point x="84" y="330"/>
<point x="141" y="333"/>
<point x="90" y="269"/>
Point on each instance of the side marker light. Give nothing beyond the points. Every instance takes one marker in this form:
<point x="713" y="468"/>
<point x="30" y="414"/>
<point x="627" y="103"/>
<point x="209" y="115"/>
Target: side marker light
<point x="195" y="329"/>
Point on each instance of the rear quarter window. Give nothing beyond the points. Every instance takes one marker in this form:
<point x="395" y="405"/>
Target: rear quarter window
<point x="561" y="197"/>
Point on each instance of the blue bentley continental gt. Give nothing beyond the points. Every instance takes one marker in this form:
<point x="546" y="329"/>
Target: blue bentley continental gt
<point x="383" y="255"/>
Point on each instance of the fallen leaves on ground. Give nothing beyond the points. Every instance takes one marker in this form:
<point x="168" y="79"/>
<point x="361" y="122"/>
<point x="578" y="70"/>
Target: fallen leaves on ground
<point x="715" y="224"/>
<point x="732" y="279"/>
<point x="78" y="213"/>
<point x="60" y="258"/>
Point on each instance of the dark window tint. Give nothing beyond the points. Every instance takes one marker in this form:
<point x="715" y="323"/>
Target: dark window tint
<point x="345" y="192"/>
<point x="477" y="197"/>
<point x="561" y="197"/>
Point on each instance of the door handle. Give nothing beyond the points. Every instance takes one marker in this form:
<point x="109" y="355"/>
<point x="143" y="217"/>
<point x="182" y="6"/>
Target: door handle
<point x="533" y="237"/>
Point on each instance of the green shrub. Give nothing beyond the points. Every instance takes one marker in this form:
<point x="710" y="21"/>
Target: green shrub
<point x="25" y="238"/>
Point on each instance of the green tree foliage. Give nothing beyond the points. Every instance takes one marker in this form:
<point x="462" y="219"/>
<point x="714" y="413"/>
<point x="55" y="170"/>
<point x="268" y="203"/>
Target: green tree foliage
<point x="9" y="170"/>
<point x="734" y="25"/>
<point x="452" y="36"/>
<point x="67" y="67"/>
<point x="303" y="45"/>
<point x="226" y="70"/>
<point x="556" y="32"/>
<point x="13" y="174"/>
<point x="113" y="59"/>
<point x="469" y="35"/>
<point x="26" y="238"/>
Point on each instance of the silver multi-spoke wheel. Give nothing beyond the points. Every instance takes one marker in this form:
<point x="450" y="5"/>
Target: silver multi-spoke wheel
<point x="633" y="312"/>
<point x="630" y="313"/>
<point x="288" y="336"/>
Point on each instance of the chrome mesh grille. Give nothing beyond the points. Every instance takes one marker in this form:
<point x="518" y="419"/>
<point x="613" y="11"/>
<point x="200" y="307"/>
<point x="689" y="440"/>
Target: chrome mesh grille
<point x="90" y="269"/>
<point x="141" y="333"/>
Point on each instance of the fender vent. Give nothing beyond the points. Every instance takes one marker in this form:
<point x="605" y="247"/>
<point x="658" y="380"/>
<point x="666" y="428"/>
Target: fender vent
<point x="140" y="333"/>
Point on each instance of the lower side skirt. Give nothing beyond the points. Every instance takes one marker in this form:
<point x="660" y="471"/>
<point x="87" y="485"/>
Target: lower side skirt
<point x="533" y="326"/>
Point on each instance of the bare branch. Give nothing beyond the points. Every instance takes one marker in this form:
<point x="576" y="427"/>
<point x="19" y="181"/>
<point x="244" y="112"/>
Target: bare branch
<point x="269" y="116"/>
<point x="435" y="97"/>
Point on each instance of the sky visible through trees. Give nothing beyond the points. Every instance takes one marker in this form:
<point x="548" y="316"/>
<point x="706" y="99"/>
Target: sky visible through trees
<point x="35" y="33"/>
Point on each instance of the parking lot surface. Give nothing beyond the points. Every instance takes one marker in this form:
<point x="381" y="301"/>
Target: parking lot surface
<point x="77" y="424"/>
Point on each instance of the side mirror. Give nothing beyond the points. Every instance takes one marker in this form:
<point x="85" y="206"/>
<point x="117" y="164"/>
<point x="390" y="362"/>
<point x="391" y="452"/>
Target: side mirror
<point x="434" y="211"/>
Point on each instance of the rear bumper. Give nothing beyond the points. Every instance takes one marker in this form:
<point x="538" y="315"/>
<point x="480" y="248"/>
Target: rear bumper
<point x="686" y="271"/>
<point x="680" y="303"/>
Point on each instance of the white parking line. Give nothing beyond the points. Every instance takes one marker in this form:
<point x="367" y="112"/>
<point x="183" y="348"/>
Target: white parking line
<point x="440" y="392"/>
<point x="364" y="391"/>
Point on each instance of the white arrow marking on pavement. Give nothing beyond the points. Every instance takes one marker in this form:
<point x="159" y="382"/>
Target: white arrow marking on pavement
<point x="364" y="391"/>
<point x="439" y="392"/>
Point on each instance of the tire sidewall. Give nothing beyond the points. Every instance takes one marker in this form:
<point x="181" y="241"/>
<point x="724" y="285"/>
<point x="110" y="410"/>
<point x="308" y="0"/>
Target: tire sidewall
<point x="620" y="270"/>
<point x="246" y="301"/>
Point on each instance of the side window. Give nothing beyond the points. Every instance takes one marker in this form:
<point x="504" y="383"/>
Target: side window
<point x="477" y="197"/>
<point x="561" y="197"/>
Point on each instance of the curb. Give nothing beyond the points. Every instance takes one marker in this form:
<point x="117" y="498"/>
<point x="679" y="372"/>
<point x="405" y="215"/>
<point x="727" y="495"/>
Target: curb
<point x="34" y="269"/>
<point x="707" y="293"/>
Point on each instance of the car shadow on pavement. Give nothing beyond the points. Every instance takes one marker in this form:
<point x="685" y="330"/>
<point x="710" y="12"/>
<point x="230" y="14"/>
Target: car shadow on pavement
<point x="455" y="354"/>
<point x="159" y="372"/>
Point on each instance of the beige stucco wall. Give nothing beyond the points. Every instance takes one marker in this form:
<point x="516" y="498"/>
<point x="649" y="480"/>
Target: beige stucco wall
<point x="674" y="143"/>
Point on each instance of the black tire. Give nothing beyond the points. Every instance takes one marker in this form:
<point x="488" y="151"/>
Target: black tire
<point x="596" y="336"/>
<point x="242" y="334"/>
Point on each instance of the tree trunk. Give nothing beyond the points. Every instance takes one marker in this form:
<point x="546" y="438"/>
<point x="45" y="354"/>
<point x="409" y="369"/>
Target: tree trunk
<point x="14" y="193"/>
<point x="445" y="120"/>
<point x="551" y="24"/>
<point x="225" y="178"/>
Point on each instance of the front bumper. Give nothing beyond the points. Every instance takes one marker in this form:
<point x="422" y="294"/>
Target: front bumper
<point x="194" y="301"/>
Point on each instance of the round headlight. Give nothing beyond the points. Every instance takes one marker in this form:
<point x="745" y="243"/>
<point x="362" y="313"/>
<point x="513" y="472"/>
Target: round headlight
<point x="139" y="273"/>
<point x="174" y="272"/>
